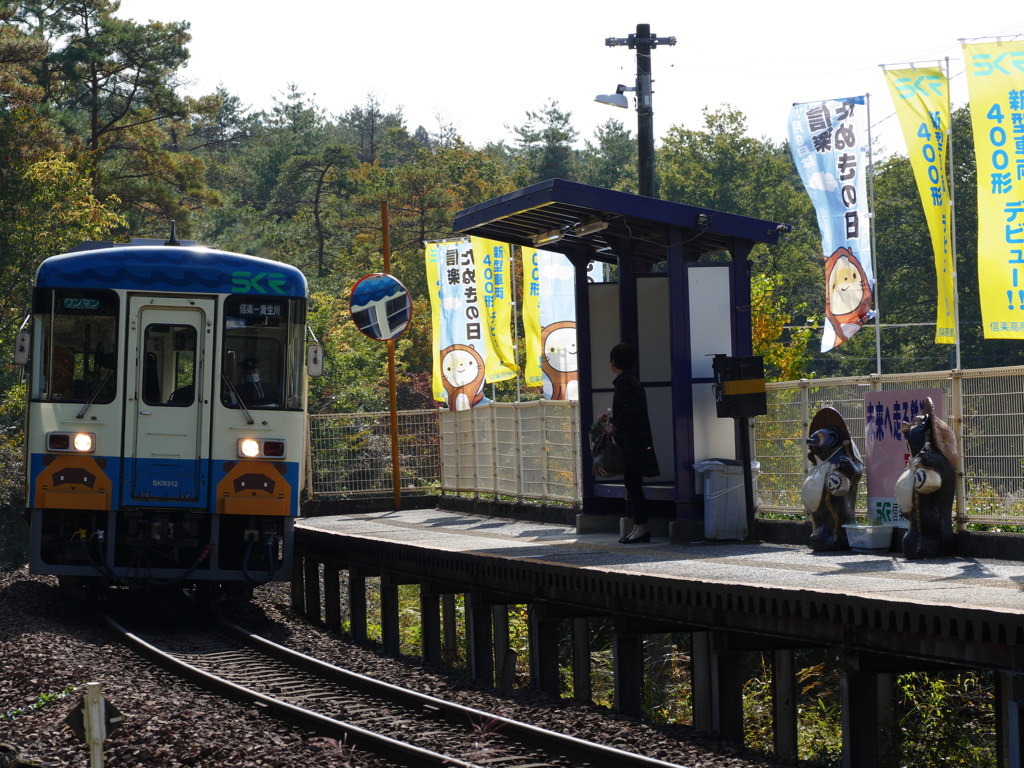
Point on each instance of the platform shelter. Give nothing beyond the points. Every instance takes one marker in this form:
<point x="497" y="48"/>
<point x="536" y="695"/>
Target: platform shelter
<point x="675" y="307"/>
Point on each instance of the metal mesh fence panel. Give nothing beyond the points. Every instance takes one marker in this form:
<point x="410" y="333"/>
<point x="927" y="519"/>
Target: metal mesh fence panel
<point x="992" y="446"/>
<point x="985" y="409"/>
<point x="780" y="446"/>
<point x="531" y="451"/>
<point x="507" y="450"/>
<point x="351" y="453"/>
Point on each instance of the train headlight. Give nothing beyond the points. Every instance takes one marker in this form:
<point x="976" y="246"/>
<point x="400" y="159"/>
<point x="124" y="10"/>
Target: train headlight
<point x="248" y="448"/>
<point x="261" y="448"/>
<point x="71" y="442"/>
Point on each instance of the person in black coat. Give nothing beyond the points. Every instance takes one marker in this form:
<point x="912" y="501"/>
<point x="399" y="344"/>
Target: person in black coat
<point x="631" y="425"/>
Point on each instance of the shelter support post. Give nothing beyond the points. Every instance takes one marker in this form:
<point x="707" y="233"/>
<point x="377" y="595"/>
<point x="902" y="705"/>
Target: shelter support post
<point x="689" y="514"/>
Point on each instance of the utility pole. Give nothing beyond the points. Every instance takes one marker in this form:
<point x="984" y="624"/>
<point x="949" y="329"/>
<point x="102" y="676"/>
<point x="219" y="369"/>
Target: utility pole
<point x="643" y="42"/>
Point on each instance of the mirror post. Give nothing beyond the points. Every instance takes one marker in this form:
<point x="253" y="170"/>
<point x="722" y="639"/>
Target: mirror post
<point x="396" y="475"/>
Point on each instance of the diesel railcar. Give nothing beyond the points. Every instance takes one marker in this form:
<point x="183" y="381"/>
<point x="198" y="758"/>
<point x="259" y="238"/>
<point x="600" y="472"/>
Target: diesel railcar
<point x="165" y="424"/>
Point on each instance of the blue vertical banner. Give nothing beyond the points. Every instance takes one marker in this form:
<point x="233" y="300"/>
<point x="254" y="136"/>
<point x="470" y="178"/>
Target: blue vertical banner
<point x="829" y="142"/>
<point x="458" y="322"/>
<point x="549" y="321"/>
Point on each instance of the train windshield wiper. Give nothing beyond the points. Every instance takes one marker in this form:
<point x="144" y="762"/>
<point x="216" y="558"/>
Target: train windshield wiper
<point x="238" y="398"/>
<point x="94" y="395"/>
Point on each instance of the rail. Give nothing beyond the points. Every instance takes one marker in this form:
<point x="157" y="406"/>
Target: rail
<point x="399" y="725"/>
<point x="531" y="451"/>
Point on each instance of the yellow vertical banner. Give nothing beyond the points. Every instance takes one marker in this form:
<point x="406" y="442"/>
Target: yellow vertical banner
<point x="494" y="287"/>
<point x="995" y="84"/>
<point x="921" y="97"/>
<point x="533" y="375"/>
<point x="549" y="324"/>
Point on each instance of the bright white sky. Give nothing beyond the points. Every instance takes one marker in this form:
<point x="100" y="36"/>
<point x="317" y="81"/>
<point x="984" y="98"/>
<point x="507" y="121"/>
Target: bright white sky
<point x="482" y="66"/>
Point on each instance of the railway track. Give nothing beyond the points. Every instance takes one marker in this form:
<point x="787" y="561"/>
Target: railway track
<point x="403" y="727"/>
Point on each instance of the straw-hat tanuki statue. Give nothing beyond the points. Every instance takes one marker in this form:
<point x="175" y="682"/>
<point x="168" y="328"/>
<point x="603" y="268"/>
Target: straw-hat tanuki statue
<point x="830" y="488"/>
<point x="927" y="488"/>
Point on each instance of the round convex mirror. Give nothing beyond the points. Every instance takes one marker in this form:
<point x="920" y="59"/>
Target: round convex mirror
<point x="381" y="306"/>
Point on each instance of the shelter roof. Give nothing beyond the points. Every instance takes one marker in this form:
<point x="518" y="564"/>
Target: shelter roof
<point x="647" y="226"/>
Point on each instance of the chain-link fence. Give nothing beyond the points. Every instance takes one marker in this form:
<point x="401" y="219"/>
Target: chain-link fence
<point x="531" y="451"/>
<point x="984" y="408"/>
<point x="351" y="453"/>
<point x="520" y="451"/>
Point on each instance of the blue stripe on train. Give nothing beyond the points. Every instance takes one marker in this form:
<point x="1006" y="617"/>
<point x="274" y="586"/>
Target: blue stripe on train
<point x="172" y="269"/>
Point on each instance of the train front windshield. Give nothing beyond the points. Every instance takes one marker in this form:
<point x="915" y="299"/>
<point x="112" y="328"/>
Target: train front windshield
<point x="76" y="358"/>
<point x="263" y="364"/>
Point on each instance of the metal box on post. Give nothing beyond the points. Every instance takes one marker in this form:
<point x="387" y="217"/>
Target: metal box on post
<point x="739" y="386"/>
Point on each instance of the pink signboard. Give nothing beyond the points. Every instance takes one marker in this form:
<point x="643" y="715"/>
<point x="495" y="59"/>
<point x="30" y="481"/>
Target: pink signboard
<point x="886" y="447"/>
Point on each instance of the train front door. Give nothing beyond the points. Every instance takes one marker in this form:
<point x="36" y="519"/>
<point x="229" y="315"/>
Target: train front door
<point x="168" y="389"/>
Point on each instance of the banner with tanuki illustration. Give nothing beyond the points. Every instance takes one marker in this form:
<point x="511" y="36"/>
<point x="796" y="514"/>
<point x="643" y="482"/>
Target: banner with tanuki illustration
<point x="829" y="140"/>
<point x="549" y="323"/>
<point x="494" y="288"/>
<point x="460" y="324"/>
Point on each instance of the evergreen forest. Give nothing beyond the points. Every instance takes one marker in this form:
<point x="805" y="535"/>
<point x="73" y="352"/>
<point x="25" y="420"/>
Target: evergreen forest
<point x="100" y="142"/>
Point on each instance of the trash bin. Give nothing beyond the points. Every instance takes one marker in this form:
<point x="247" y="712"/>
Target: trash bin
<point x="725" y="508"/>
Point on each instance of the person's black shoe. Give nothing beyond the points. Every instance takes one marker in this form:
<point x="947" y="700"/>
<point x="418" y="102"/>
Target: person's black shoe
<point x="644" y="538"/>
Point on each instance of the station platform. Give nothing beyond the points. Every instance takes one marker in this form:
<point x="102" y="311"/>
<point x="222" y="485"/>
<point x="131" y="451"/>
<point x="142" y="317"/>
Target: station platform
<point x="958" y="611"/>
<point x="885" y="615"/>
<point x="889" y="577"/>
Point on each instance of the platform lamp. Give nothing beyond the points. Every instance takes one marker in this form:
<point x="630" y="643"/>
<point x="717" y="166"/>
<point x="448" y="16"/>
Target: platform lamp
<point x="643" y="41"/>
